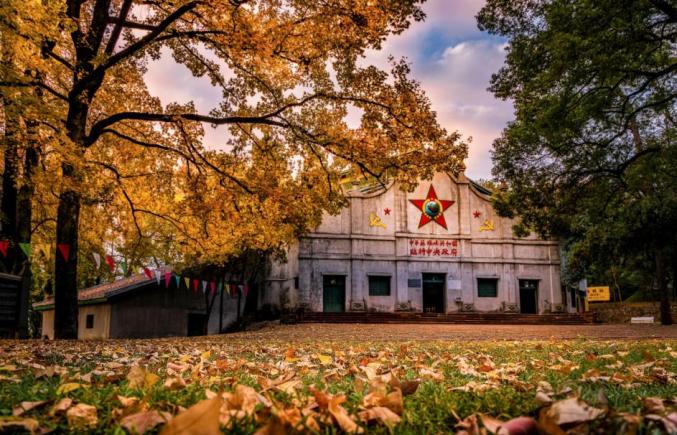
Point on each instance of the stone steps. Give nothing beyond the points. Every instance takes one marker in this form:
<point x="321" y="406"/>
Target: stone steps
<point x="453" y="318"/>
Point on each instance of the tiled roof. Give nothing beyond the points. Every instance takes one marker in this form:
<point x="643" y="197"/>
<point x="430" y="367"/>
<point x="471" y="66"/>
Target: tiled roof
<point x="104" y="291"/>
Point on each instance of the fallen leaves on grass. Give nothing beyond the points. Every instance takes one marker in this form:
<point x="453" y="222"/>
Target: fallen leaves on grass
<point x="271" y="387"/>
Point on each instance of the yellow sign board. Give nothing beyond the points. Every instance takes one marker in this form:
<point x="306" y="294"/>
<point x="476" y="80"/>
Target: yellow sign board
<point x="599" y="294"/>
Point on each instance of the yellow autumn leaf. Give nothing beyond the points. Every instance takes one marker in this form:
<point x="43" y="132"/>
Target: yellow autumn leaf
<point x="67" y="388"/>
<point x="325" y="359"/>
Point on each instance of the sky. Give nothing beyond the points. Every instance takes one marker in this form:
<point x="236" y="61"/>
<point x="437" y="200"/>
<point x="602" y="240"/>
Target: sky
<point x="449" y="56"/>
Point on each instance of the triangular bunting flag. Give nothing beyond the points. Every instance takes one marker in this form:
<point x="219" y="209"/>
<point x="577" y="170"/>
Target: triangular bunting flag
<point x="168" y="277"/>
<point x="245" y="289"/>
<point x="212" y="287"/>
<point x="204" y="286"/>
<point x="219" y="287"/>
<point x="158" y="276"/>
<point x="4" y="246"/>
<point x="26" y="248"/>
<point x="148" y="272"/>
<point x="65" y="249"/>
<point x="233" y="290"/>
<point x="196" y="284"/>
<point x="97" y="259"/>
<point x="111" y="263"/>
<point x="123" y="266"/>
<point x="177" y="278"/>
<point x="187" y="281"/>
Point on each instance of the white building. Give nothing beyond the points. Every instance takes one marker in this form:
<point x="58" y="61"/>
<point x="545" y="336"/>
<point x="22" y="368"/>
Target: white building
<point x="441" y="248"/>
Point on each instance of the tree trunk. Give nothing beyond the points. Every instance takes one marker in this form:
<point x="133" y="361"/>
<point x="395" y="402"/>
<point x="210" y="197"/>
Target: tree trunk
<point x="9" y="192"/>
<point x="24" y="221"/>
<point x="66" y="270"/>
<point x="662" y="279"/>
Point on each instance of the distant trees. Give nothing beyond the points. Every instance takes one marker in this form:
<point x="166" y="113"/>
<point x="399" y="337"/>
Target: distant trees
<point x="125" y="170"/>
<point x="591" y="156"/>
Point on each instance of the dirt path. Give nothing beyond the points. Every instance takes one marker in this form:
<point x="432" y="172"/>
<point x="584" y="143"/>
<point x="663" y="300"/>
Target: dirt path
<point x="319" y="331"/>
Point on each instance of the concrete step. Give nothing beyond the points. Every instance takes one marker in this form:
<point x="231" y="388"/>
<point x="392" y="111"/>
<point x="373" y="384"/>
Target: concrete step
<point x="454" y="318"/>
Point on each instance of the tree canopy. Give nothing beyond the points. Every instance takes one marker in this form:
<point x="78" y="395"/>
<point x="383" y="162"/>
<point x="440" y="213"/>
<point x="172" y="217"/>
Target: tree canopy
<point x="123" y="169"/>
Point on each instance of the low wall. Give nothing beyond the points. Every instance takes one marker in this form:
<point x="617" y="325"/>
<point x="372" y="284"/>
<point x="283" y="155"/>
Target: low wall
<point x="621" y="312"/>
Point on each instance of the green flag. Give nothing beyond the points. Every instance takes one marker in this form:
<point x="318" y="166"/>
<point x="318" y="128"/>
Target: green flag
<point x="26" y="248"/>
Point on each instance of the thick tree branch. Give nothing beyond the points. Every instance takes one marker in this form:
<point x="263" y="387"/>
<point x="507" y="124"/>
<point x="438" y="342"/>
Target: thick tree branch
<point x="98" y="128"/>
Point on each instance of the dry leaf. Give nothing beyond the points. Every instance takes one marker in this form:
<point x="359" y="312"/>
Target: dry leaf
<point x="82" y="416"/>
<point x="380" y="414"/>
<point x="409" y="387"/>
<point x="175" y="383"/>
<point x="27" y="406"/>
<point x="200" y="419"/>
<point x="67" y="388"/>
<point x="572" y="410"/>
<point x="325" y="359"/>
<point x="141" y="422"/>
<point x="12" y="425"/>
<point x="138" y="377"/>
<point x="341" y="415"/>
<point x="61" y="406"/>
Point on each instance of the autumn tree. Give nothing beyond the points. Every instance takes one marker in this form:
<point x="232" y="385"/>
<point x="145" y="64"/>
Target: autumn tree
<point x="591" y="155"/>
<point x="288" y="73"/>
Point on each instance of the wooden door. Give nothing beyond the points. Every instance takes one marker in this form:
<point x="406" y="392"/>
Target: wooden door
<point x="333" y="293"/>
<point x="433" y="292"/>
<point x="528" y="296"/>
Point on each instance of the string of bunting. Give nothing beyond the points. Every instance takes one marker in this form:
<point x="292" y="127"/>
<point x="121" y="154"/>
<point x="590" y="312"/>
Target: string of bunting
<point x="164" y="277"/>
<point x="161" y="276"/>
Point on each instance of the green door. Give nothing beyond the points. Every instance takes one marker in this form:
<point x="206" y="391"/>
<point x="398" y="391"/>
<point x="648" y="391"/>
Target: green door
<point x="334" y="293"/>
<point x="528" y="296"/>
<point x="433" y="292"/>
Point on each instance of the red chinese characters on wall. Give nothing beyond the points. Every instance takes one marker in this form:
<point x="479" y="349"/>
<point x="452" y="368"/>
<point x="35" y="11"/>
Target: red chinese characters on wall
<point x="433" y="248"/>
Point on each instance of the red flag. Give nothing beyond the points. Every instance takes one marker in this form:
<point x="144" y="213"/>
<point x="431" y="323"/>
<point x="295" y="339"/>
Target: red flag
<point x="245" y="289"/>
<point x="111" y="263"/>
<point x="65" y="249"/>
<point x="212" y="285"/>
<point x="148" y="273"/>
<point x="168" y="276"/>
<point x="4" y="246"/>
<point x="196" y="283"/>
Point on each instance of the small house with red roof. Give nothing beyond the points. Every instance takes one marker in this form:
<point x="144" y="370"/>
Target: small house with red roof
<point x="142" y="307"/>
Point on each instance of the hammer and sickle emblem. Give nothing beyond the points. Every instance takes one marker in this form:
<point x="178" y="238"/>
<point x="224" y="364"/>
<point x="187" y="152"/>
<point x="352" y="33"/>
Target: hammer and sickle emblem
<point x="487" y="226"/>
<point x="375" y="221"/>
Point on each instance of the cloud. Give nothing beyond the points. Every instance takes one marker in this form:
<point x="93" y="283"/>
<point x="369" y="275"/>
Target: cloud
<point x="454" y="61"/>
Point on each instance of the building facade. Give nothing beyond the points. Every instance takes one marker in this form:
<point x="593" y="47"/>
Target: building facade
<point x="441" y="248"/>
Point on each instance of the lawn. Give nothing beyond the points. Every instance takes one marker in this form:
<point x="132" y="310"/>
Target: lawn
<point x="251" y="384"/>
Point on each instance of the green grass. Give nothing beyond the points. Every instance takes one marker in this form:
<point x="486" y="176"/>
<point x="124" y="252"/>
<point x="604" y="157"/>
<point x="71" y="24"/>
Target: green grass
<point x="434" y="407"/>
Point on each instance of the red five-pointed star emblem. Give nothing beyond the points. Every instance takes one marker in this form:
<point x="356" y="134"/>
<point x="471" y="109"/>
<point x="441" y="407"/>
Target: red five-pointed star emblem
<point x="432" y="208"/>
